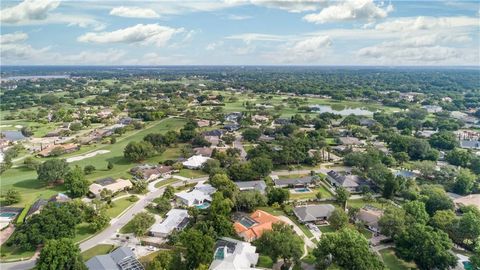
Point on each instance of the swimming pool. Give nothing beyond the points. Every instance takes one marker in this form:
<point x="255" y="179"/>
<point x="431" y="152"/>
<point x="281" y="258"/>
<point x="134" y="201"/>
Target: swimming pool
<point x="204" y="205"/>
<point x="8" y="214"/>
<point x="220" y="253"/>
<point x="302" y="190"/>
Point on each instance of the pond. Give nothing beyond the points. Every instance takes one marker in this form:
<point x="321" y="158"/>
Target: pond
<point x="13" y="135"/>
<point x="342" y="110"/>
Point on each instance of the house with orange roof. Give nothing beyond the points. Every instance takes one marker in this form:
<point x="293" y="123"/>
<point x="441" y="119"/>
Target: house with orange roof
<point x="253" y="226"/>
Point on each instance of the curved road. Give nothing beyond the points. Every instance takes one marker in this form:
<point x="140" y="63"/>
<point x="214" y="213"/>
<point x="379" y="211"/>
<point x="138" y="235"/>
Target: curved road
<point x="115" y="224"/>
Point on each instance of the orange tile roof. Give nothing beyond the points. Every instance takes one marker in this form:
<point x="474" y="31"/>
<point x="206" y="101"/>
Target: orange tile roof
<point x="264" y="223"/>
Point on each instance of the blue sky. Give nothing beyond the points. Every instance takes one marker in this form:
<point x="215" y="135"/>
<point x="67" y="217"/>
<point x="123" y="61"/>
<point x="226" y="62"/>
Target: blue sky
<point x="240" y="32"/>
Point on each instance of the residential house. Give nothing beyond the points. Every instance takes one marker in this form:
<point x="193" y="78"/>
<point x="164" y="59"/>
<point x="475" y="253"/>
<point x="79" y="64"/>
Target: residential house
<point x="231" y="254"/>
<point x="350" y="182"/>
<point x="176" y="220"/>
<point x="203" y="123"/>
<point x="432" y="108"/>
<point x="213" y="133"/>
<point x="282" y="121"/>
<point x="313" y="213"/>
<point x="109" y="184"/>
<point x="120" y="259"/>
<point x="199" y="197"/>
<point x="36" y="207"/>
<point x="213" y="140"/>
<point x="294" y="182"/>
<point x="125" y="121"/>
<point x="231" y="127"/>
<point x="149" y="172"/>
<point x="469" y="200"/>
<point x="59" y="198"/>
<point x="350" y="141"/>
<point x="195" y="162"/>
<point x="367" y="122"/>
<point x="233" y="116"/>
<point x="473" y="144"/>
<point x="203" y="151"/>
<point x="260" y="118"/>
<point x="253" y="226"/>
<point x="370" y="217"/>
<point x="64" y="148"/>
<point x="252" y="185"/>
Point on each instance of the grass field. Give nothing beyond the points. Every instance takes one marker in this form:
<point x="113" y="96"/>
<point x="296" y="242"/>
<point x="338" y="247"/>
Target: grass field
<point x="264" y="261"/>
<point x="119" y="206"/>
<point x="393" y="262"/>
<point x="24" y="179"/>
<point x="11" y="253"/>
<point x="82" y="232"/>
<point x="97" y="250"/>
<point x="361" y="203"/>
<point x="192" y="173"/>
<point x="311" y="195"/>
<point x="166" y="182"/>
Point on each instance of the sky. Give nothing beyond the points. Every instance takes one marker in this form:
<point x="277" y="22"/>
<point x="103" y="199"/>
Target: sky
<point x="240" y="32"/>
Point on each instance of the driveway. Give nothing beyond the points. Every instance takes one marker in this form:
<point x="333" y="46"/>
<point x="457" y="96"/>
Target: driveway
<point x="238" y="144"/>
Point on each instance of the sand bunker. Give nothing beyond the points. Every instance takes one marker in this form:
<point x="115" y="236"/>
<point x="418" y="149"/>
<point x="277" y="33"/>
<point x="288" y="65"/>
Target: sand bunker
<point x="89" y="155"/>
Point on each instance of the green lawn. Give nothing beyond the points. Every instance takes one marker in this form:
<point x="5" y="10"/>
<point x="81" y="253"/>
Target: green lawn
<point x="280" y="212"/>
<point x="312" y="195"/>
<point x="97" y="250"/>
<point x="82" y="232"/>
<point x="13" y="253"/>
<point x="265" y="261"/>
<point x="166" y="182"/>
<point x="393" y="262"/>
<point x="118" y="207"/>
<point x="25" y="180"/>
<point x="326" y="229"/>
<point x="192" y="173"/>
<point x="361" y="203"/>
<point x="129" y="227"/>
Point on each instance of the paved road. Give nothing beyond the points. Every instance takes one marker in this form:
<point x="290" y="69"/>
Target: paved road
<point x="238" y="144"/>
<point x="115" y="225"/>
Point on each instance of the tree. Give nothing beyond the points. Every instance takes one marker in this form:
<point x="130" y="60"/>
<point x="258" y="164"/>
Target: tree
<point x="465" y="182"/>
<point x="198" y="247"/>
<point x="443" y="220"/>
<point x="342" y="195"/>
<point x="435" y="198"/>
<point x="53" y="222"/>
<point x="141" y="222"/>
<point x="76" y="183"/>
<point x="228" y="138"/>
<point x="169" y="193"/>
<point x="347" y="249"/>
<point x="261" y="166"/>
<point x="99" y="220"/>
<point x="416" y="212"/>
<point x="60" y="254"/>
<point x="249" y="200"/>
<point x="458" y="157"/>
<point x="467" y="230"/>
<point x="277" y="195"/>
<point x="31" y="163"/>
<point x="251" y="134"/>
<point x="223" y="184"/>
<point x="89" y="169"/>
<point x="280" y="242"/>
<point x="109" y="165"/>
<point x="444" y="140"/>
<point x="138" y="151"/>
<point x="392" y="222"/>
<point x="52" y="170"/>
<point x="12" y="196"/>
<point x="427" y="247"/>
<point x="338" y="219"/>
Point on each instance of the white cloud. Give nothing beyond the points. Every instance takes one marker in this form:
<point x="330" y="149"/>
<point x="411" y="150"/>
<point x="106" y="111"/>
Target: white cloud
<point x="140" y="33"/>
<point x="214" y="45"/>
<point x="134" y="12"/>
<point x="20" y="51"/>
<point x="111" y="56"/>
<point x="350" y="10"/>
<point x="308" y="50"/>
<point x="13" y="38"/>
<point x="250" y="37"/>
<point x="410" y="55"/>
<point x="426" y="23"/>
<point x="28" y="10"/>
<point x="235" y="17"/>
<point x="294" y="6"/>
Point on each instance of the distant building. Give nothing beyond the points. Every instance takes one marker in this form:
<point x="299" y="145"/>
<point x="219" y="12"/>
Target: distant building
<point x="350" y="182"/>
<point x="177" y="219"/>
<point x="231" y="254"/>
<point x="120" y="259"/>
<point x="253" y="226"/>
<point x="195" y="162"/>
<point x="203" y="151"/>
<point x="109" y="184"/>
<point x="149" y="173"/>
<point x="233" y="117"/>
<point x="432" y="108"/>
<point x="64" y="148"/>
<point x="313" y="213"/>
<point x="252" y="185"/>
<point x="231" y="127"/>
<point x="214" y="133"/>
<point x="199" y="197"/>
<point x="294" y="182"/>
<point x="370" y="218"/>
<point x="470" y="144"/>
<point x="350" y="141"/>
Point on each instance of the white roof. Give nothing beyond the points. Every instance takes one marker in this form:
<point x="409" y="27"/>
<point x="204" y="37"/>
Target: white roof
<point x="200" y="193"/>
<point x="173" y="220"/>
<point x="195" y="161"/>
<point x="241" y="258"/>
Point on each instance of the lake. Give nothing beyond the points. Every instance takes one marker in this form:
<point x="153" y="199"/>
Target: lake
<point x="342" y="110"/>
<point x="13" y="135"/>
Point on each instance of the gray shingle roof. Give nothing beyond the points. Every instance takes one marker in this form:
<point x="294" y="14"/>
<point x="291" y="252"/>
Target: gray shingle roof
<point x="257" y="185"/>
<point x="309" y="213"/>
<point x="294" y="181"/>
<point x="120" y="259"/>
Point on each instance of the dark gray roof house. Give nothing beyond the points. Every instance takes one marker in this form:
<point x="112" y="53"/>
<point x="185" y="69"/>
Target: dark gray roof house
<point x="350" y="182"/>
<point x="252" y="185"/>
<point x="215" y="132"/>
<point x="470" y="144"/>
<point x="304" y="181"/>
<point x="313" y="213"/>
<point x="120" y="259"/>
